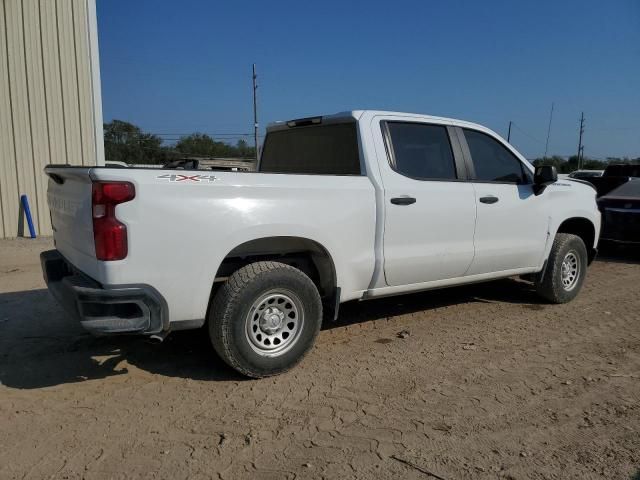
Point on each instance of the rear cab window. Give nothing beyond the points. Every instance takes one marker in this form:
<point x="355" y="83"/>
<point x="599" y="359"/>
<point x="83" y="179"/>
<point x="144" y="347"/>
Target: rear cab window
<point x="330" y="149"/>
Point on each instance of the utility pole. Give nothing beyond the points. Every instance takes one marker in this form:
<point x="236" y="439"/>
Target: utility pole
<point x="582" y="156"/>
<point x="580" y="147"/>
<point x="509" y="132"/>
<point x="255" y="112"/>
<point x="546" y="147"/>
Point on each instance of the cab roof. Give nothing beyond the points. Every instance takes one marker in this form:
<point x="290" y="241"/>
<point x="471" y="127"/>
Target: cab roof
<point x="354" y="115"/>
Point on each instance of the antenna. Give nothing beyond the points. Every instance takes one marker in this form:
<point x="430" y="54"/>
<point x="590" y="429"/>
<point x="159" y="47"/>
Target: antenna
<point x="546" y="147"/>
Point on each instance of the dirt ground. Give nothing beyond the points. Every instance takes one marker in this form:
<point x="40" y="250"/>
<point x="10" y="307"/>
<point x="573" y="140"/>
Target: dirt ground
<point x="487" y="382"/>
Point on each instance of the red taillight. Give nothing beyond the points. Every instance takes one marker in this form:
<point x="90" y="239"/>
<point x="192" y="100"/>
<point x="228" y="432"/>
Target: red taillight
<point x="109" y="234"/>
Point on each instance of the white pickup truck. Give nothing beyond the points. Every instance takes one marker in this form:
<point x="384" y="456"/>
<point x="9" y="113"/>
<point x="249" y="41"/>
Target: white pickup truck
<point x="350" y="206"/>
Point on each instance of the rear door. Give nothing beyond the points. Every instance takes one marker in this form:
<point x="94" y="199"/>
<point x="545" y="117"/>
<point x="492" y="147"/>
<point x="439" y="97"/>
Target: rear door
<point x="429" y="208"/>
<point x="512" y="222"/>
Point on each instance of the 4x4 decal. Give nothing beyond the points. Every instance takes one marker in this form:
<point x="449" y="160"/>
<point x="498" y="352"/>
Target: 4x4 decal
<point x="173" y="177"/>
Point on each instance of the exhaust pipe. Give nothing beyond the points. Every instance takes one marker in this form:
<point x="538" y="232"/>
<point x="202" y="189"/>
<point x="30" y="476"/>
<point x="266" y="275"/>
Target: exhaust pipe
<point x="158" y="338"/>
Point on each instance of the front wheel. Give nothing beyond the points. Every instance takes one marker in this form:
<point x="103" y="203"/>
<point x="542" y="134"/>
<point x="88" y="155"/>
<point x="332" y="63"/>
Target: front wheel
<point x="565" y="271"/>
<point x="265" y="318"/>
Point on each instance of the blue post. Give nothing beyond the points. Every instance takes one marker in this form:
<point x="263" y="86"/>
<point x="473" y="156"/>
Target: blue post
<point x="27" y="212"/>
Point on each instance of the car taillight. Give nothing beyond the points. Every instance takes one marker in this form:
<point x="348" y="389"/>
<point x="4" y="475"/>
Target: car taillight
<point x="109" y="234"/>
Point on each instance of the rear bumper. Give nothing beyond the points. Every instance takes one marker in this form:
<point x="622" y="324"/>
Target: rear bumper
<point x="104" y="310"/>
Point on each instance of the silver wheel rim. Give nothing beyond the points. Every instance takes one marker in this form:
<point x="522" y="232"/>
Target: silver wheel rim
<point x="570" y="270"/>
<point x="274" y="322"/>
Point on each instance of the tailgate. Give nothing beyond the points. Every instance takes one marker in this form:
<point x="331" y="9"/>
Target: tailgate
<point x="69" y="198"/>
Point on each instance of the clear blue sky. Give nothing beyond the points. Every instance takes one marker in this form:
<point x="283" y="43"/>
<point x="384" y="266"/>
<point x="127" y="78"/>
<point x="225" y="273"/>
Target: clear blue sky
<point x="183" y="66"/>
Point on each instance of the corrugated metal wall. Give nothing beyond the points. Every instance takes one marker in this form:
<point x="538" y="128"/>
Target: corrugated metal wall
<point x="50" y="109"/>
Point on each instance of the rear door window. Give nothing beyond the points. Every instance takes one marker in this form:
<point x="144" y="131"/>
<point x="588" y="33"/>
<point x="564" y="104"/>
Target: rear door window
<point x="421" y="151"/>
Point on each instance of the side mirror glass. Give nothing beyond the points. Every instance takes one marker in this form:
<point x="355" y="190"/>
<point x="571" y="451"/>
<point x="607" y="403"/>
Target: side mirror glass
<point x="544" y="176"/>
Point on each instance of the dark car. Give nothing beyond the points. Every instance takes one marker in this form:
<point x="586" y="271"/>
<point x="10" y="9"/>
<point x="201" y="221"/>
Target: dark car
<point x="621" y="213"/>
<point x="582" y="174"/>
<point x="614" y="176"/>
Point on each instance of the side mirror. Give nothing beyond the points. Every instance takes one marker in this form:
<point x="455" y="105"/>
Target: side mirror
<point x="544" y="176"/>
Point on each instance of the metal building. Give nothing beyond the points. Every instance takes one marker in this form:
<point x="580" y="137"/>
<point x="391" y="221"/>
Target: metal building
<point x="50" y="101"/>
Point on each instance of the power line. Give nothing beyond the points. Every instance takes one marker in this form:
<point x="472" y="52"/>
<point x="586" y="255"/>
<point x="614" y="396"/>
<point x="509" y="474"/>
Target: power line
<point x="178" y="136"/>
<point x="181" y="153"/>
<point x="205" y="133"/>
<point x="528" y="135"/>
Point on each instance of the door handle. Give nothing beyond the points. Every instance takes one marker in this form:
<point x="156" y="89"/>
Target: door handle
<point x="403" y="200"/>
<point x="489" y="199"/>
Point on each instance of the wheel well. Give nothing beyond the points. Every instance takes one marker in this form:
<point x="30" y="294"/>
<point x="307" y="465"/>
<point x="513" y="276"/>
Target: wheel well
<point x="302" y="253"/>
<point x="584" y="229"/>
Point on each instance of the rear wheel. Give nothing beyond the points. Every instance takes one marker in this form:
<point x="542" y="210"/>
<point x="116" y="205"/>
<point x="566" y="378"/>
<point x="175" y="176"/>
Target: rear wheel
<point x="565" y="271"/>
<point x="265" y="318"/>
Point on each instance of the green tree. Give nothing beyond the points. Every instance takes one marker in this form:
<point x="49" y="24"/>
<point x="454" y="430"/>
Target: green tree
<point x="200" y="144"/>
<point x="243" y="150"/>
<point x="125" y="142"/>
<point x="204" y="145"/>
<point x="590" y="164"/>
<point x="556" y="161"/>
<point x="570" y="165"/>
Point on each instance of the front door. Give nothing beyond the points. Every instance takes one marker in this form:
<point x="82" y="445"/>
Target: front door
<point x="512" y="222"/>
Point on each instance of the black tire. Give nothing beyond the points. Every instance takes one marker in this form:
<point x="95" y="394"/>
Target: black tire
<point x="553" y="285"/>
<point x="239" y="313"/>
